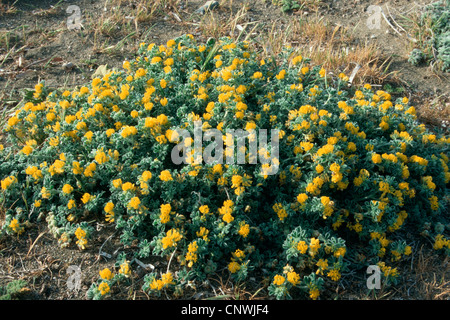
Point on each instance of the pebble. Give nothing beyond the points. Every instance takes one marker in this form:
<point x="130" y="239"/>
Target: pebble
<point x="209" y="5"/>
<point x="68" y="66"/>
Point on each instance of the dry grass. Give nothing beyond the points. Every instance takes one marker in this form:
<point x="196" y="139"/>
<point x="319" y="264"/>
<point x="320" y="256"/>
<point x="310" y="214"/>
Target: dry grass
<point x="429" y="276"/>
<point x="212" y="25"/>
<point x="325" y="44"/>
<point x="122" y="22"/>
<point x="330" y="46"/>
<point x="436" y="112"/>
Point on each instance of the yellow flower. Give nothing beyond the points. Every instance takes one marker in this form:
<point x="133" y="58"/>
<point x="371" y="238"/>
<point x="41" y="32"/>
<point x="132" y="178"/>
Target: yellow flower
<point x="134" y="203"/>
<point x="319" y="168"/>
<point x="322" y="72"/>
<point x="127" y="186"/>
<point x="13" y="121"/>
<point x="125" y="269"/>
<point x="314" y="246"/>
<point x="67" y="189"/>
<point x="103" y="288"/>
<point x="106" y="274"/>
<point x="278" y="280"/>
<point x="322" y="264"/>
<point x="45" y="194"/>
<point x="257" y="75"/>
<point x="155" y="60"/>
<point x="244" y="229"/>
<point x="306" y="146"/>
<point x="440" y="242"/>
<point x="156" y="285"/>
<point x="302" y="197"/>
<point x="167" y="278"/>
<point x="71" y="204"/>
<point x="302" y="247"/>
<point x="191" y="255"/>
<point x="146" y="175"/>
<point x="203" y="233"/>
<point x="89" y="171"/>
<point x="281" y="75"/>
<point x="80" y="233"/>
<point x="27" y="150"/>
<point x="434" y="203"/>
<point x="376" y="158"/>
<point x="109" y="217"/>
<point x="109" y="207"/>
<point x="293" y="277"/>
<point x="76" y="168"/>
<point x="314" y="293"/>
<point x="204" y="209"/>
<point x="297" y="59"/>
<point x="239" y="254"/>
<point x="280" y="211"/>
<point x="128" y="131"/>
<point x="340" y="252"/>
<point x="384" y="125"/>
<point x="234" y="267"/>
<point x="226" y="75"/>
<point x="325" y="200"/>
<point x="334" y="274"/>
<point x="165" y="213"/>
<point x="126" y="65"/>
<point x="88" y="135"/>
<point x="117" y="183"/>
<point x="227" y="217"/>
<point x="7" y="182"/>
<point x="171" y="238"/>
<point x="429" y="182"/>
<point x="15" y="226"/>
<point x="86" y="197"/>
<point x="165" y="176"/>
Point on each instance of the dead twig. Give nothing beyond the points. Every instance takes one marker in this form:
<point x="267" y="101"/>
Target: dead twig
<point x="389" y="23"/>
<point x="34" y="243"/>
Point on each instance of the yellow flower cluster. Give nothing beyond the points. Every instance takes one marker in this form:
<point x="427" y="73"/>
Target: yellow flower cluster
<point x="171" y="238"/>
<point x="226" y="210"/>
<point x="16" y="227"/>
<point x="164" y="282"/>
<point x="80" y="234"/>
<point x="8" y="182"/>
<point x="280" y="211"/>
<point x="240" y="182"/>
<point x="441" y="242"/>
<point x="109" y="209"/>
<point x="191" y="255"/>
<point x="236" y="261"/>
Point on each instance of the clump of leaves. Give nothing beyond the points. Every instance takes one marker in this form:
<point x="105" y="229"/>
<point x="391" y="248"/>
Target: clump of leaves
<point x="436" y="46"/>
<point x="416" y="57"/>
<point x="12" y="290"/>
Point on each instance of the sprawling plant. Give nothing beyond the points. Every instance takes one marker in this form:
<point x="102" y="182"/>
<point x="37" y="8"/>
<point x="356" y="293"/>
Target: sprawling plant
<point x="354" y="169"/>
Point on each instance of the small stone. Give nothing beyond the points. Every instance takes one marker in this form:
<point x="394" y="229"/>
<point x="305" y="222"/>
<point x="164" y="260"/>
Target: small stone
<point x="209" y="5"/>
<point x="68" y="66"/>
